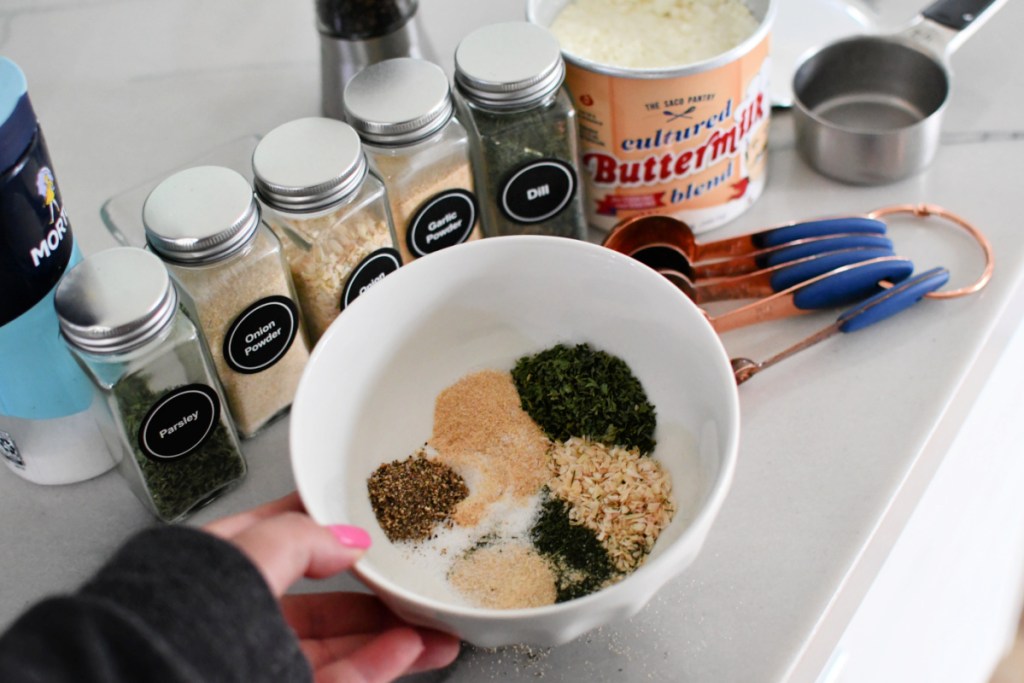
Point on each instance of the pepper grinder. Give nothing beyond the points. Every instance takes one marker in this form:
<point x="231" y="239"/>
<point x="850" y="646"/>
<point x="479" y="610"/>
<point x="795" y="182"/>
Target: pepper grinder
<point x="357" y="33"/>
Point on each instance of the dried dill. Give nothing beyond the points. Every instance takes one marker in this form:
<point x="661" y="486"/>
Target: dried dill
<point x="581" y="564"/>
<point x="505" y="144"/>
<point x="410" y="497"/>
<point x="580" y="391"/>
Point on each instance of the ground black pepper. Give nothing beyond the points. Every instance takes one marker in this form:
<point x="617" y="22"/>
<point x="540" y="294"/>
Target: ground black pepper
<point x="411" y="497"/>
<point x="581" y="564"/>
<point x="362" y="19"/>
<point x="580" y="391"/>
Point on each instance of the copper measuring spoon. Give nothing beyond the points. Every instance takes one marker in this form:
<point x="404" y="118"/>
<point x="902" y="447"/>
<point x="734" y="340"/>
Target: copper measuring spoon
<point x="635" y="233"/>
<point x="838" y="287"/>
<point x="876" y="308"/>
<point x="666" y="256"/>
<point x="768" y="281"/>
<point x="891" y="300"/>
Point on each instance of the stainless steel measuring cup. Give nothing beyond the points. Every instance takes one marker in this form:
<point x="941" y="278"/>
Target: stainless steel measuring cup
<point x="867" y="110"/>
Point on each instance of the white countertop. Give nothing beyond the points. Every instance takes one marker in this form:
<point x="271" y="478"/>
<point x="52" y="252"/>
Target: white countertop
<point x="838" y="445"/>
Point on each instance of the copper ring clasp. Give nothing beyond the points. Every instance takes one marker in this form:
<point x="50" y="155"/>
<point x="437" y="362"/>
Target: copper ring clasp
<point x="926" y="210"/>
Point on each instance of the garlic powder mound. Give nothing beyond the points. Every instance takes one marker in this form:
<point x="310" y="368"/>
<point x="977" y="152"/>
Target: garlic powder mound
<point x="650" y="34"/>
<point x="482" y="432"/>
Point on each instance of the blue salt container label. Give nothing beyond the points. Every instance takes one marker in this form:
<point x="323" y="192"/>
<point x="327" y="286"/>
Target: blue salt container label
<point x="38" y="377"/>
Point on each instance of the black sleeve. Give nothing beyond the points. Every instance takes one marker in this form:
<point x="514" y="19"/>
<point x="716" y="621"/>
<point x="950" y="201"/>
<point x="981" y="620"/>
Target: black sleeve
<point x="174" y="604"/>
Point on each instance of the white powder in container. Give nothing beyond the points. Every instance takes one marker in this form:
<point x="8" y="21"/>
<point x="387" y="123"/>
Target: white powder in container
<point x="651" y="34"/>
<point x="220" y="297"/>
<point x="205" y="224"/>
<point x="673" y="104"/>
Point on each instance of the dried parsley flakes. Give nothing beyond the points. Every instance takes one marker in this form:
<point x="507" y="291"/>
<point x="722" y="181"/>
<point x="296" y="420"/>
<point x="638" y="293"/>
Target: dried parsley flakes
<point x="178" y="486"/>
<point x="580" y="391"/>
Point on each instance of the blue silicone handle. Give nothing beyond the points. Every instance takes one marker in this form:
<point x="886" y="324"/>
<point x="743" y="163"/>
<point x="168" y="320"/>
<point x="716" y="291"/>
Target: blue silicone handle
<point x="793" y="275"/>
<point x="819" y="228"/>
<point x="893" y="300"/>
<point x="852" y="284"/>
<point x="820" y="246"/>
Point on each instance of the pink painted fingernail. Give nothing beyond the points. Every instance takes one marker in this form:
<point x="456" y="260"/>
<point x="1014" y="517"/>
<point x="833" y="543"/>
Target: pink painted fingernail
<point x="351" y="536"/>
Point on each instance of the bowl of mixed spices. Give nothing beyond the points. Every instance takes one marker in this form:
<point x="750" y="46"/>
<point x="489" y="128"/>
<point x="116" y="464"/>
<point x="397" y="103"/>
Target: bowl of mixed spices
<point x="537" y="432"/>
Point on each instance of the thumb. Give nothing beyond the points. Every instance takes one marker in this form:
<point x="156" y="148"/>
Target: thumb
<point x="291" y="545"/>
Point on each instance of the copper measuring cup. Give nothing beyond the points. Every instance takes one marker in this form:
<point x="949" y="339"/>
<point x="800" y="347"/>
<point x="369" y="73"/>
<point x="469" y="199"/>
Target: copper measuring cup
<point x="876" y="308"/>
<point x="841" y="286"/>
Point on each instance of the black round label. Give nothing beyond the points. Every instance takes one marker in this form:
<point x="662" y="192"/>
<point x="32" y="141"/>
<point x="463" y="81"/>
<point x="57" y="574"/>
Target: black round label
<point x="444" y="220"/>
<point x="538" y="191"/>
<point x="369" y="272"/>
<point x="261" y="335"/>
<point x="179" y="423"/>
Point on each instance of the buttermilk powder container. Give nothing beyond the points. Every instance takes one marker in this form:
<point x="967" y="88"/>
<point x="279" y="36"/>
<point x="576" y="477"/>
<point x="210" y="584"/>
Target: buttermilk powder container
<point x="669" y="121"/>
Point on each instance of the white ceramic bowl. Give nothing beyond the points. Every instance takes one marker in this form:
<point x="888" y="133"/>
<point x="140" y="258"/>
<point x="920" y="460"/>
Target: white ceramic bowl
<point x="367" y="397"/>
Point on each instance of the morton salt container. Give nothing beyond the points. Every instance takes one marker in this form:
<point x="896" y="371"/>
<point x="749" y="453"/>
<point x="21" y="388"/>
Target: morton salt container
<point x="687" y="139"/>
<point x="47" y="432"/>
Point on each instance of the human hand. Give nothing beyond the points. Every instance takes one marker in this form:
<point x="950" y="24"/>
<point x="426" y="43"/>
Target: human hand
<point x="347" y="637"/>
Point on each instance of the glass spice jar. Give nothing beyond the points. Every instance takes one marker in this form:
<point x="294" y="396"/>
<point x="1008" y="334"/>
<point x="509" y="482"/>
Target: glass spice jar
<point x="509" y="81"/>
<point x="204" y="222"/>
<point x="331" y="213"/>
<point x="402" y="109"/>
<point x="163" y="417"/>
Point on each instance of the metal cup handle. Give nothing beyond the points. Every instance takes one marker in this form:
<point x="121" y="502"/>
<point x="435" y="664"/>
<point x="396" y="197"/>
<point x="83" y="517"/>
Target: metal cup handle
<point x="946" y="24"/>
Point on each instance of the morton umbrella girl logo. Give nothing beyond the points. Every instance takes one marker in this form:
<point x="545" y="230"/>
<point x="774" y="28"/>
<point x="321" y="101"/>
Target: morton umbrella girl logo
<point x="46" y="189"/>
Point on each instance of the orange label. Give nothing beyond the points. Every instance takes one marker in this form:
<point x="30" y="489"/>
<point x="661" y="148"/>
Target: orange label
<point x="691" y="146"/>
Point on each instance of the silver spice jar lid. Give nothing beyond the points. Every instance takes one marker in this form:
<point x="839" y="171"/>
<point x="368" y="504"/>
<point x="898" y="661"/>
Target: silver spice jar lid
<point x="115" y="301"/>
<point x="200" y="215"/>
<point x="398" y="101"/>
<point x="308" y="164"/>
<point x="509" y="65"/>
